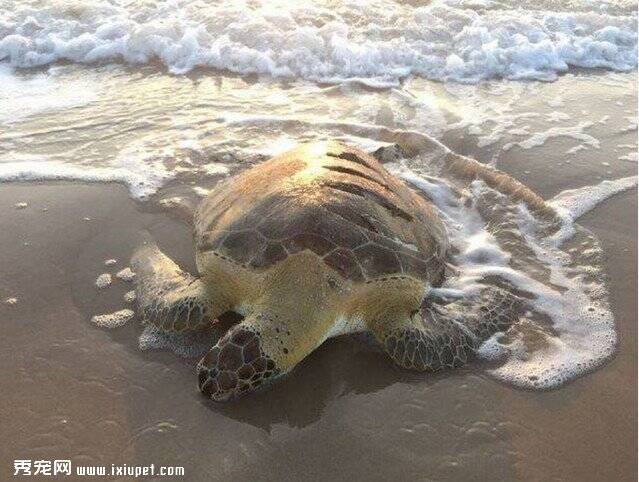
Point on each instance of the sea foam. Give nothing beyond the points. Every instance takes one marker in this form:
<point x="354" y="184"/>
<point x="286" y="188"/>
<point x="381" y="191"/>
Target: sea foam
<point x="569" y="329"/>
<point x="445" y="40"/>
<point x="40" y="92"/>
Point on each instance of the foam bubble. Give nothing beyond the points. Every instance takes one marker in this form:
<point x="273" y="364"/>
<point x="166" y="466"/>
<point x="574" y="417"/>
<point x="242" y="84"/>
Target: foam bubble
<point x="573" y="203"/>
<point x="569" y="329"/>
<point x="631" y="156"/>
<point x="188" y="344"/>
<point x="445" y="40"/>
<point x="125" y="274"/>
<point x="113" y="320"/>
<point x="38" y="93"/>
<point x="574" y="132"/>
<point x="141" y="182"/>
<point x="103" y="280"/>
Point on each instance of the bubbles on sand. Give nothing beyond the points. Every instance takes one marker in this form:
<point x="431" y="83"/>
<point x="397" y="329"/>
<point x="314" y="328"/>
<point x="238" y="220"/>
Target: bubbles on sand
<point x="103" y="281"/>
<point x="11" y="301"/>
<point x="113" y="320"/>
<point x="110" y="262"/>
<point x="129" y="296"/>
<point x="573" y="203"/>
<point x="125" y="274"/>
<point x="188" y="344"/>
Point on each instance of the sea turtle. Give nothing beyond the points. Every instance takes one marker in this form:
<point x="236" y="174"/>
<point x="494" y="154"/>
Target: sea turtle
<point x="316" y="242"/>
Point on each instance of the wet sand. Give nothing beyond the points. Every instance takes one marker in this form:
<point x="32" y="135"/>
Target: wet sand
<point x="72" y="390"/>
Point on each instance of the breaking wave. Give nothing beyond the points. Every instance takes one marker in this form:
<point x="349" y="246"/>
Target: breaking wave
<point x="379" y="44"/>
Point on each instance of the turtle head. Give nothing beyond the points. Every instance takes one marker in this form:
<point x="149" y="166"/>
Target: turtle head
<point x="289" y="320"/>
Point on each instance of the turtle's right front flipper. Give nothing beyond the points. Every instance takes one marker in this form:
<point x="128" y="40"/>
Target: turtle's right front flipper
<point x="170" y="298"/>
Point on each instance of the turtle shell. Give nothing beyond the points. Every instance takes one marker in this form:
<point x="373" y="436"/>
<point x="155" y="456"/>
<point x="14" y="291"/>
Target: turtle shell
<point x="333" y="200"/>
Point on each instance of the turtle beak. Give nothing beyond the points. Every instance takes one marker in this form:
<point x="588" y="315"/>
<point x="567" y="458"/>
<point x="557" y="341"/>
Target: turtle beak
<point x="236" y="365"/>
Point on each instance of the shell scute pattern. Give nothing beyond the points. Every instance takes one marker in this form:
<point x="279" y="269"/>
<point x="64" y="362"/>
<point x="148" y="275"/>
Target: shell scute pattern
<point x="341" y="229"/>
<point x="272" y="253"/>
<point x="344" y="262"/>
<point x="315" y="242"/>
<point x="243" y="245"/>
<point x="278" y="220"/>
<point x="375" y="259"/>
<point x="361" y="220"/>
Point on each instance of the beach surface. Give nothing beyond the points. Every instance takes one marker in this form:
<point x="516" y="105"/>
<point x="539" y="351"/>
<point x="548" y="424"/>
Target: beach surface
<point x="345" y="413"/>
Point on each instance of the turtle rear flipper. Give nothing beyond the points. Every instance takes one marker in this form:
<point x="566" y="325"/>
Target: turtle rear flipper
<point x="169" y="297"/>
<point x="438" y="337"/>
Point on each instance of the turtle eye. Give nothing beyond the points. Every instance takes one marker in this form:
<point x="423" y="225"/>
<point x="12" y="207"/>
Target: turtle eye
<point x="332" y="282"/>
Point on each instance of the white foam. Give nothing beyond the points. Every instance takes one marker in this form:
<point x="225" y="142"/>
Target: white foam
<point x="188" y="344"/>
<point x="11" y="301"/>
<point x="574" y="132"/>
<point x="141" y="165"/>
<point x="103" y="280"/>
<point x="113" y="320"/>
<point x="21" y="97"/>
<point x="110" y="262"/>
<point x="576" y="149"/>
<point x="213" y="169"/>
<point x="573" y="203"/>
<point x="556" y="116"/>
<point x="565" y="282"/>
<point x="631" y="156"/>
<point x="632" y="124"/>
<point x="141" y="182"/>
<point x="200" y="191"/>
<point x="130" y="296"/>
<point x="125" y="274"/>
<point x="377" y="45"/>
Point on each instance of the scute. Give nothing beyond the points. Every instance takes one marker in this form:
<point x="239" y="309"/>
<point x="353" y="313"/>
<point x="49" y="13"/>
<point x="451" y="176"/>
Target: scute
<point x="242" y="246"/>
<point x="374" y="258"/>
<point x="333" y="200"/>
<point x="345" y="263"/>
<point x="272" y="253"/>
<point x="308" y="240"/>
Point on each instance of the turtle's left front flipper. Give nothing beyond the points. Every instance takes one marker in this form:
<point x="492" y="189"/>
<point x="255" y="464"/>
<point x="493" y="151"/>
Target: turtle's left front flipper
<point x="169" y="297"/>
<point x="434" y="337"/>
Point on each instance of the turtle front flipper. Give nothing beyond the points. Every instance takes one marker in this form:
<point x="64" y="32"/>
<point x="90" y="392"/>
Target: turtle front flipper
<point x="236" y="365"/>
<point x="435" y="337"/>
<point x="170" y="298"/>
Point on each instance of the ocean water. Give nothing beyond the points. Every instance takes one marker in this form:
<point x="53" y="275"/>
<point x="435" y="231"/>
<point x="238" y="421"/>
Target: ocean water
<point x="169" y="97"/>
<point x="329" y="41"/>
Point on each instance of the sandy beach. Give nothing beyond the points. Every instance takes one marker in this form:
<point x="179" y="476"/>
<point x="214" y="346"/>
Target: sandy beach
<point x="345" y="413"/>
